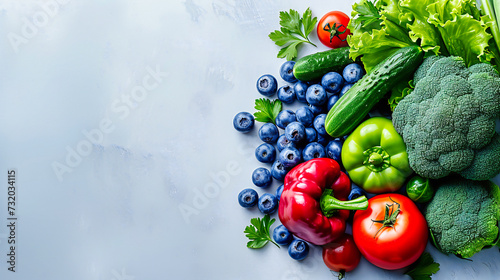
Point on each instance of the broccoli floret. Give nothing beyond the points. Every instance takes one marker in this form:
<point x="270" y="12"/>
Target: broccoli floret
<point x="421" y="71"/>
<point x="463" y="216"/>
<point x="480" y="167"/>
<point x="448" y="120"/>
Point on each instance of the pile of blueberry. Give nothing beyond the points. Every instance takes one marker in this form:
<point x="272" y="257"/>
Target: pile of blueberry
<point x="296" y="137"/>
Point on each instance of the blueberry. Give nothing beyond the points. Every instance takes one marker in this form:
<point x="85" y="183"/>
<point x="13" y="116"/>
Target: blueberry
<point x="319" y="124"/>
<point x="243" y="122"/>
<point x="267" y="85"/>
<point x="324" y="139"/>
<point x="286" y="72"/>
<point x="265" y="153"/>
<point x="290" y="157"/>
<point x="295" y="132"/>
<point x="278" y="171"/>
<point x="332" y="82"/>
<point x="279" y="191"/>
<point x="283" y="142"/>
<point x="300" y="149"/>
<point x="316" y="95"/>
<point x="311" y="134"/>
<point x="298" y="249"/>
<point x="345" y="89"/>
<point x="334" y="149"/>
<point x="316" y="110"/>
<point x="269" y="133"/>
<point x="300" y="89"/>
<point x="352" y="73"/>
<point x="248" y="198"/>
<point x="268" y="203"/>
<point x="331" y="101"/>
<point x="355" y="192"/>
<point x="313" y="150"/>
<point x="284" y="118"/>
<point x="261" y="177"/>
<point x="286" y="94"/>
<point x="282" y="236"/>
<point x="305" y="116"/>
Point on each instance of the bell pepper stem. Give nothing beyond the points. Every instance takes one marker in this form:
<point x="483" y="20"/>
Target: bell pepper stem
<point x="375" y="159"/>
<point x="330" y="205"/>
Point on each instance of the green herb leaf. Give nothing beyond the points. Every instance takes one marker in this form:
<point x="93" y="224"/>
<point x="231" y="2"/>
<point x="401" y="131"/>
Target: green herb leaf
<point x="267" y="110"/>
<point x="289" y="51"/>
<point x="368" y="16"/>
<point x="291" y="21"/>
<point x="258" y="232"/>
<point x="293" y="32"/>
<point x="423" y="268"/>
<point x="309" y="22"/>
<point x="282" y="37"/>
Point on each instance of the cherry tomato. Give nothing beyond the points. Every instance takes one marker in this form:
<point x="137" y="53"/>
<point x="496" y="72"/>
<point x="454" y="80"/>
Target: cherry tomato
<point x="342" y="255"/>
<point x="392" y="233"/>
<point x="332" y="29"/>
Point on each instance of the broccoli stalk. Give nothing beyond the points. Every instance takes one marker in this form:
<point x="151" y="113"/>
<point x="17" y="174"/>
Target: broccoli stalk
<point x="463" y="216"/>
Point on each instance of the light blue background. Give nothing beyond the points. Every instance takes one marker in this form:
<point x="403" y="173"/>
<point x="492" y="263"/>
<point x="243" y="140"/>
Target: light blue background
<point x="155" y="85"/>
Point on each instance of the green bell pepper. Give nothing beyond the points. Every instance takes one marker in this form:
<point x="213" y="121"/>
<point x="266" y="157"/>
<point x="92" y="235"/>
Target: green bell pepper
<point x="375" y="157"/>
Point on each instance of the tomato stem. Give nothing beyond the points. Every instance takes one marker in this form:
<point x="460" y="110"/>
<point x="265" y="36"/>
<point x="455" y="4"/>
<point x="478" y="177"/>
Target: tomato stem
<point x="335" y="31"/>
<point x="390" y="216"/>
<point x="341" y="274"/>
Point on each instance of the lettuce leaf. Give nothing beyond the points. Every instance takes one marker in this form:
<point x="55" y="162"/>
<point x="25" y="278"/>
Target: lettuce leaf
<point x="439" y="27"/>
<point x="463" y="31"/>
<point x="375" y="35"/>
<point x="421" y="31"/>
<point x="393" y="12"/>
<point x="467" y="37"/>
<point x="374" y="47"/>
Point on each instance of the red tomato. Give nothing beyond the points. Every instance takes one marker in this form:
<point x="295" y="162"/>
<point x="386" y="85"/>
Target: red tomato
<point x="399" y="242"/>
<point x="332" y="29"/>
<point x="342" y="255"/>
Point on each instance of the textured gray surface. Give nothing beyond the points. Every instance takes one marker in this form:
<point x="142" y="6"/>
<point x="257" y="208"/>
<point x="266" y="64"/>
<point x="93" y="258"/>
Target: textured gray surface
<point x="117" y="116"/>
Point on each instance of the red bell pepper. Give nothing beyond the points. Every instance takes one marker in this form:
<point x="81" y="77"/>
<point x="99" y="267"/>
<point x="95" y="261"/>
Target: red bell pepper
<point x="314" y="205"/>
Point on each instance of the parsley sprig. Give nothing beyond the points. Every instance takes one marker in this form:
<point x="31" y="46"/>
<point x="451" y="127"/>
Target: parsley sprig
<point x="267" y="110"/>
<point x="368" y="16"/>
<point x="423" y="268"/>
<point x="293" y="32"/>
<point x="258" y="232"/>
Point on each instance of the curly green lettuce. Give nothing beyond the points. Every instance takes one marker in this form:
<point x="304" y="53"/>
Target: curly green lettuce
<point x="439" y="27"/>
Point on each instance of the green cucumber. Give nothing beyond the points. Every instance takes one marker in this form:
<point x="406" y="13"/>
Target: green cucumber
<point x="314" y="66"/>
<point x="355" y="104"/>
